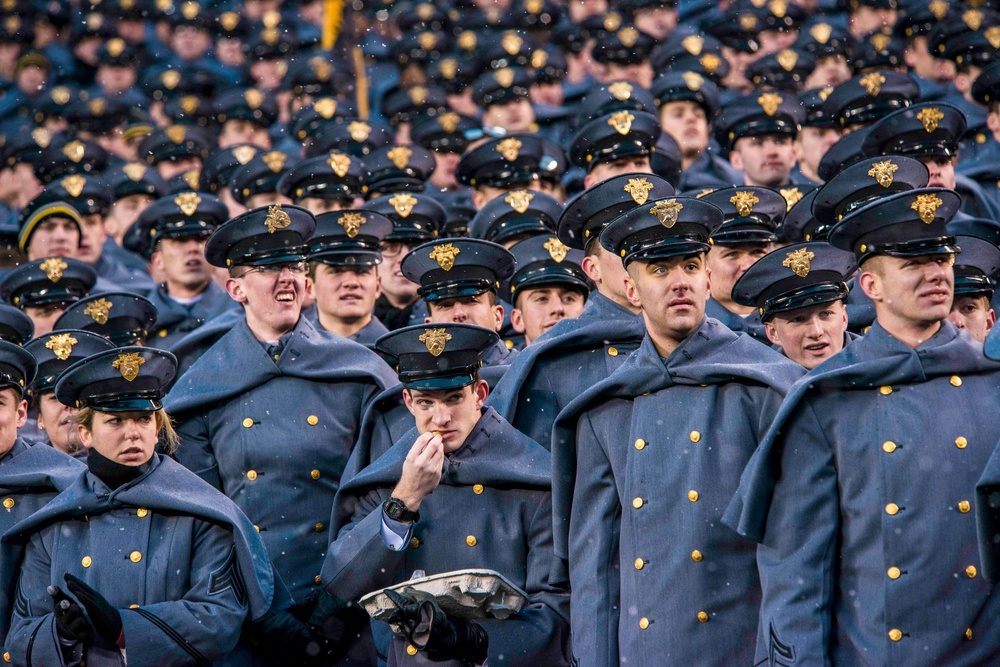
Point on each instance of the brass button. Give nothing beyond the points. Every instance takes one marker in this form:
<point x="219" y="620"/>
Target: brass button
<point x="251" y="475"/>
<point x="163" y="333"/>
<point x="639" y="563"/>
<point x="247" y="423"/>
<point x="695" y="436"/>
<point x="968" y="633"/>
<point x="142" y="512"/>
<point x="888" y="446"/>
<point x="478" y="489"/>
<point x="643" y="622"/>
<point x="885" y="390"/>
<point x="509" y="344"/>
<point x="955" y="381"/>
<point x="314" y="474"/>
<point x="133" y="606"/>
<point x="637" y="503"/>
<point x="894" y="573"/>
<point x="319" y="527"/>
<point x="640" y="444"/>
<point x="86" y="562"/>
<point x="414" y="543"/>
<point x="696" y="556"/>
<point x="703" y="617"/>
<point x="135" y="556"/>
<point x="892" y="509"/>
<point x="971" y="572"/>
<point x="8" y="503"/>
<point x="613" y="351"/>
<point x="693" y="495"/>
<point x="317" y="579"/>
<point x="312" y="420"/>
<point x="6" y="656"/>
<point x="895" y="635"/>
<point x="964" y="506"/>
<point x="256" y="527"/>
<point x="961" y="442"/>
<point x="471" y="540"/>
<point x="411" y="649"/>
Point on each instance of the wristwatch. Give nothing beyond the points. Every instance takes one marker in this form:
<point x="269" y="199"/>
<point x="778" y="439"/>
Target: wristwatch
<point x="396" y="510"/>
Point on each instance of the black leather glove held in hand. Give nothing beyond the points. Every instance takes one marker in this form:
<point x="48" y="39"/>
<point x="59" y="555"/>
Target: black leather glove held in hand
<point x="431" y="630"/>
<point x="71" y="624"/>
<point x="104" y="617"/>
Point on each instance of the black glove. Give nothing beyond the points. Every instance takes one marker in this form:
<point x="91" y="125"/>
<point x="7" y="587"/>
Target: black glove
<point x="71" y="624"/>
<point x="432" y="631"/>
<point x="104" y="617"/>
<point x="289" y="640"/>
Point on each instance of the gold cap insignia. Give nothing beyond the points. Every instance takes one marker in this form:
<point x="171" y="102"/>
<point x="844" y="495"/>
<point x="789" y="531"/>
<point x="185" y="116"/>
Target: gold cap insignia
<point x="254" y="98"/>
<point x="926" y="207"/>
<point x="74" y="184"/>
<point x="693" y="44"/>
<point x="417" y="95"/>
<point x="612" y="22"/>
<point x="744" y="200"/>
<point x="787" y="59"/>
<point x="939" y="8"/>
<point x="339" y="163"/>
<point x="42" y="137"/>
<point x="792" y="197"/>
<point x="53" y="268"/>
<point x="435" y="340"/>
<point x="882" y="172"/>
<point x="747" y="22"/>
<point x="61" y="345"/>
<point x="276" y="219"/>
<point x="666" y="211"/>
<point x="509" y="148"/>
<point x="325" y="107"/>
<point x="351" y="222"/>
<point x="449" y="121"/>
<point x="128" y="365"/>
<point x="799" y="262"/>
<point x="189" y="10"/>
<point x="134" y="171"/>
<point x="872" y="83"/>
<point x="769" y="102"/>
<point x="98" y="310"/>
<point x="229" y="20"/>
<point x="115" y="47"/>
<point x="973" y="18"/>
<point x="74" y="150"/>
<point x="97" y="106"/>
<point x="821" y="32"/>
<point x="511" y="43"/>
<point x="189" y="104"/>
<point x="191" y="177"/>
<point x="445" y="255"/>
<point x="244" y="154"/>
<point x="621" y="121"/>
<point x="400" y="156"/>
<point x="170" y="79"/>
<point x="275" y="160"/>
<point x="704" y="192"/>
<point x="467" y="41"/>
<point x="519" y="200"/>
<point x="504" y="76"/>
<point x="693" y="80"/>
<point x="557" y="249"/>
<point x="427" y="40"/>
<point x="778" y="7"/>
<point x="620" y="90"/>
<point x="930" y="117"/>
<point x="880" y="41"/>
<point x="359" y="131"/>
<point x="993" y="36"/>
<point x="638" y="189"/>
<point x="539" y="58"/>
<point x="187" y="202"/>
<point x="710" y="62"/>
<point x="628" y="37"/>
<point x="176" y="133"/>
<point x="403" y="203"/>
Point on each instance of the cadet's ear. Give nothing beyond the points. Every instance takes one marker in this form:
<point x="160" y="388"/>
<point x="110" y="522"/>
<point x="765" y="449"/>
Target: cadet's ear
<point x="991" y="317"/>
<point x="517" y="320"/>
<point x="631" y="293"/>
<point x="482" y="392"/>
<point x="234" y="287"/>
<point x="870" y="285"/>
<point x="592" y="268"/>
<point x="736" y="160"/>
<point x="772" y="333"/>
<point x="408" y="401"/>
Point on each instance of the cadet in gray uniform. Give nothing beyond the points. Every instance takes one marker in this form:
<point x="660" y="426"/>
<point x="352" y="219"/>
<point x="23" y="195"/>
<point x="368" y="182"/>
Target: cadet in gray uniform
<point x="645" y="462"/>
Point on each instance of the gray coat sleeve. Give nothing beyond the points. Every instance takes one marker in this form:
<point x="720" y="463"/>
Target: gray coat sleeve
<point x="196" y="449"/>
<point x="797" y="557"/>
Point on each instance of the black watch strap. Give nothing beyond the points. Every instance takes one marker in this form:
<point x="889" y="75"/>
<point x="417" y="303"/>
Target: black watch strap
<point x="396" y="510"/>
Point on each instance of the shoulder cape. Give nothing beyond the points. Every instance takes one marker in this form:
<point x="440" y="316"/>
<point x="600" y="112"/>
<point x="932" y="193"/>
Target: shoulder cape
<point x="711" y="355"/>
<point x="876" y="359"/>
<point x="238" y="363"/>
<point x="39" y="465"/>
